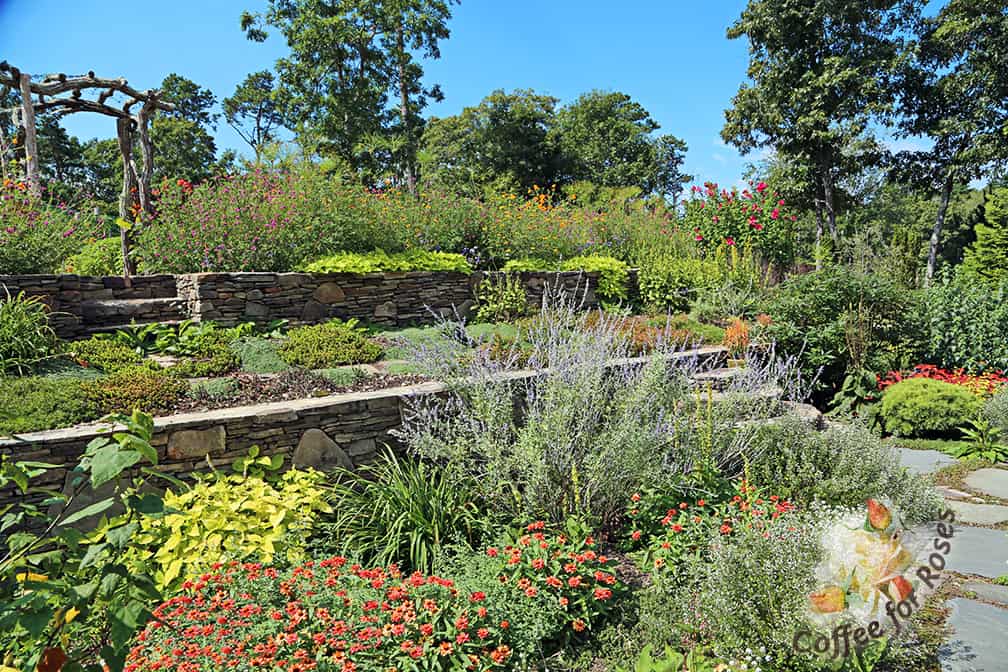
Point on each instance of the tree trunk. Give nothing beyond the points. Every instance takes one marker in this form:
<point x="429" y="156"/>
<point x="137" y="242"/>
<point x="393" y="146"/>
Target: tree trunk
<point x="829" y="202"/>
<point x="404" y="111"/>
<point x="32" y="176"/>
<point x="935" y="243"/>
<point x="124" y="135"/>
<point x="818" y="233"/>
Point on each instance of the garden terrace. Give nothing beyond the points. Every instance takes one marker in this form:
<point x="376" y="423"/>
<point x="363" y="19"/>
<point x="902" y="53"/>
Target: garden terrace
<point x="338" y="430"/>
<point x="83" y="305"/>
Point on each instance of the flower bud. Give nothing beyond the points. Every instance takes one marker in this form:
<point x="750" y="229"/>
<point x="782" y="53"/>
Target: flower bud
<point x="879" y="517"/>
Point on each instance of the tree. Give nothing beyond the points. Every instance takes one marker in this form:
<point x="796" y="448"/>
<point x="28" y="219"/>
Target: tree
<point x="819" y="74"/>
<point x="348" y="59"/>
<point x="182" y="140"/>
<point x="605" y="138"/>
<point x="502" y="144"/>
<point x="955" y="91"/>
<point x="670" y="180"/>
<point x="252" y="111"/>
<point x="987" y="258"/>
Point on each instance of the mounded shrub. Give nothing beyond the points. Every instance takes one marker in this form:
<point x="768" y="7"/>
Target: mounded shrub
<point x="34" y="404"/>
<point x="669" y="283"/>
<point x="809" y="317"/>
<point x="921" y="407"/>
<point x="98" y="257"/>
<point x="335" y="343"/>
<point x="103" y="353"/>
<point x="135" y="387"/>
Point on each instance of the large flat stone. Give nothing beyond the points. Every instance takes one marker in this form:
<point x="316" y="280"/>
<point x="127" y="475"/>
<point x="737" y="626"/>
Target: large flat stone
<point x="993" y="482"/>
<point x="924" y="461"/>
<point x="197" y="443"/>
<point x="989" y="591"/>
<point x="979" y="514"/>
<point x="318" y="451"/>
<point x="975" y="550"/>
<point x="978" y="642"/>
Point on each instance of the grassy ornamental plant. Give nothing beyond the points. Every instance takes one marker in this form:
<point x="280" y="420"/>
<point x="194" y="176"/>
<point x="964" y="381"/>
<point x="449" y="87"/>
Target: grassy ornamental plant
<point x="334" y="343"/>
<point x="26" y="339"/>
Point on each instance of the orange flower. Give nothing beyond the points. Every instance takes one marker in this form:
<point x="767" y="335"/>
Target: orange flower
<point x="445" y="648"/>
<point x="578" y="625"/>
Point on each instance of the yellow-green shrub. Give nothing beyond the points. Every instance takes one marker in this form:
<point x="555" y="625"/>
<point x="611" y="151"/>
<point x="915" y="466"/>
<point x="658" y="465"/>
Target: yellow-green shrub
<point x="231" y="517"/>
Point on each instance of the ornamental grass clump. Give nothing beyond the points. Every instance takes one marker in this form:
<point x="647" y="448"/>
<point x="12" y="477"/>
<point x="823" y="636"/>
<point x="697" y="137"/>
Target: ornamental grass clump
<point x="25" y="335"/>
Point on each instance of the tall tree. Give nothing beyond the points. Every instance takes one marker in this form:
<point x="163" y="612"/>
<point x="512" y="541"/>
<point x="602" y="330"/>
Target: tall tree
<point x="502" y="144"/>
<point x="955" y="92"/>
<point x="252" y="112"/>
<point x="183" y="144"/>
<point x="670" y="180"/>
<point x="606" y="139"/>
<point x="348" y="59"/>
<point x="819" y="73"/>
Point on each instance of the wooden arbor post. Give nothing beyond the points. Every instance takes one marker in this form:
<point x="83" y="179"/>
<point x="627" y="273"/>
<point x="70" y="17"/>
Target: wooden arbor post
<point x="135" y="197"/>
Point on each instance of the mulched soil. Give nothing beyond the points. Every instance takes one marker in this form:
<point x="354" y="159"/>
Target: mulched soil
<point x="295" y="384"/>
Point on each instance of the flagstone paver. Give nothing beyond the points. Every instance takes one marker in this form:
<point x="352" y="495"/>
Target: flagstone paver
<point x="989" y="591"/>
<point x="975" y="550"/>
<point x="993" y="482"/>
<point x="979" y="514"/>
<point x="978" y="642"/>
<point x="924" y="461"/>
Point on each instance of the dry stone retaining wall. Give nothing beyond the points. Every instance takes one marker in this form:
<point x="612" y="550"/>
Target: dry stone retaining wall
<point x="82" y="305"/>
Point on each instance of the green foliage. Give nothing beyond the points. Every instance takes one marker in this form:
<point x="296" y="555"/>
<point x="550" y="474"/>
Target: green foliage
<point x="38" y="233"/>
<point x="921" y="407"/>
<point x="995" y="410"/>
<point x="107" y="354"/>
<point x="32" y="404"/>
<point x="258" y="355"/>
<point x="670" y="660"/>
<point x="229" y="517"/>
<point x="401" y="511"/>
<point x="326" y="345"/>
<point x="501" y="299"/>
<point x="842" y="466"/>
<point x="500" y="145"/>
<point x="99" y="257"/>
<point x="343" y="376"/>
<point x="252" y="111"/>
<point x="983" y="442"/>
<point x="965" y="323"/>
<point x="810" y="318"/>
<point x="132" y="387"/>
<point x="25" y="335"/>
<point x="669" y="283"/>
<point x="213" y="388"/>
<point x="986" y="259"/>
<point x="612" y="286"/>
<point x="65" y="590"/>
<point x="213" y="357"/>
<point x="379" y="261"/>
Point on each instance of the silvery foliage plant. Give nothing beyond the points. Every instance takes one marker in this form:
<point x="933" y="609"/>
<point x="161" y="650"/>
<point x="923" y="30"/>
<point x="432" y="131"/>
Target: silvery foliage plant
<point x="567" y="421"/>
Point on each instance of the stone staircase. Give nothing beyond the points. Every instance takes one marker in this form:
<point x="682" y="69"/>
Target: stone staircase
<point x="109" y="315"/>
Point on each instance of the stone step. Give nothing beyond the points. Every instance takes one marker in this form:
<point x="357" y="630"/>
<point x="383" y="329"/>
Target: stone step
<point x="719" y="378"/>
<point x="128" y="326"/>
<point x="106" y="312"/>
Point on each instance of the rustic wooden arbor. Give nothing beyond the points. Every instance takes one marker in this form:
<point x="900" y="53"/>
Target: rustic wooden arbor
<point x="51" y="93"/>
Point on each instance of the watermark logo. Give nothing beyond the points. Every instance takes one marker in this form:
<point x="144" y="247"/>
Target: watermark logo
<point x="874" y="575"/>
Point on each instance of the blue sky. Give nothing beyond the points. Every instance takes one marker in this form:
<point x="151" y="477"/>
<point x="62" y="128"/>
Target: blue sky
<point x="671" y="56"/>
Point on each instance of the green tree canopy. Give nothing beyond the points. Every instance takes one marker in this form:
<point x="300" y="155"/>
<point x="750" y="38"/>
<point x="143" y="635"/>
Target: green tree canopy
<point x="183" y="146"/>
<point x="819" y="74"/>
<point x="348" y="60"/>
<point x="605" y="138"/>
<point x="502" y="144"/>
<point x="252" y="111"/>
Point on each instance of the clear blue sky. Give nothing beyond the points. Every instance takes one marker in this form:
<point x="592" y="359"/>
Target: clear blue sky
<point x="669" y="55"/>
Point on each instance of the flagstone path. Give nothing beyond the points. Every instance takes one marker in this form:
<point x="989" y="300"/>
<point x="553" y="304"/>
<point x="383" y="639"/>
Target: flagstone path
<point x="978" y="619"/>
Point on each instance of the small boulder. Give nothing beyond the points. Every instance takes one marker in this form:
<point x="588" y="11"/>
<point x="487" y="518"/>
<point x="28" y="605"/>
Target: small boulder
<point x="318" y="451"/>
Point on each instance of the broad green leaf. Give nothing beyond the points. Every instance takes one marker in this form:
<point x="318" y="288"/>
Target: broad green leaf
<point x="92" y="510"/>
<point x="109" y="463"/>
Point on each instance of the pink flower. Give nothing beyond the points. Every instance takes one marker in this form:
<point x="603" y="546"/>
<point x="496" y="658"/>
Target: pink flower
<point x="752" y="220"/>
<point x="780" y="202"/>
<point x="761" y="187"/>
<point x="775" y="214"/>
<point x="698" y="237"/>
<point x="729" y="241"/>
